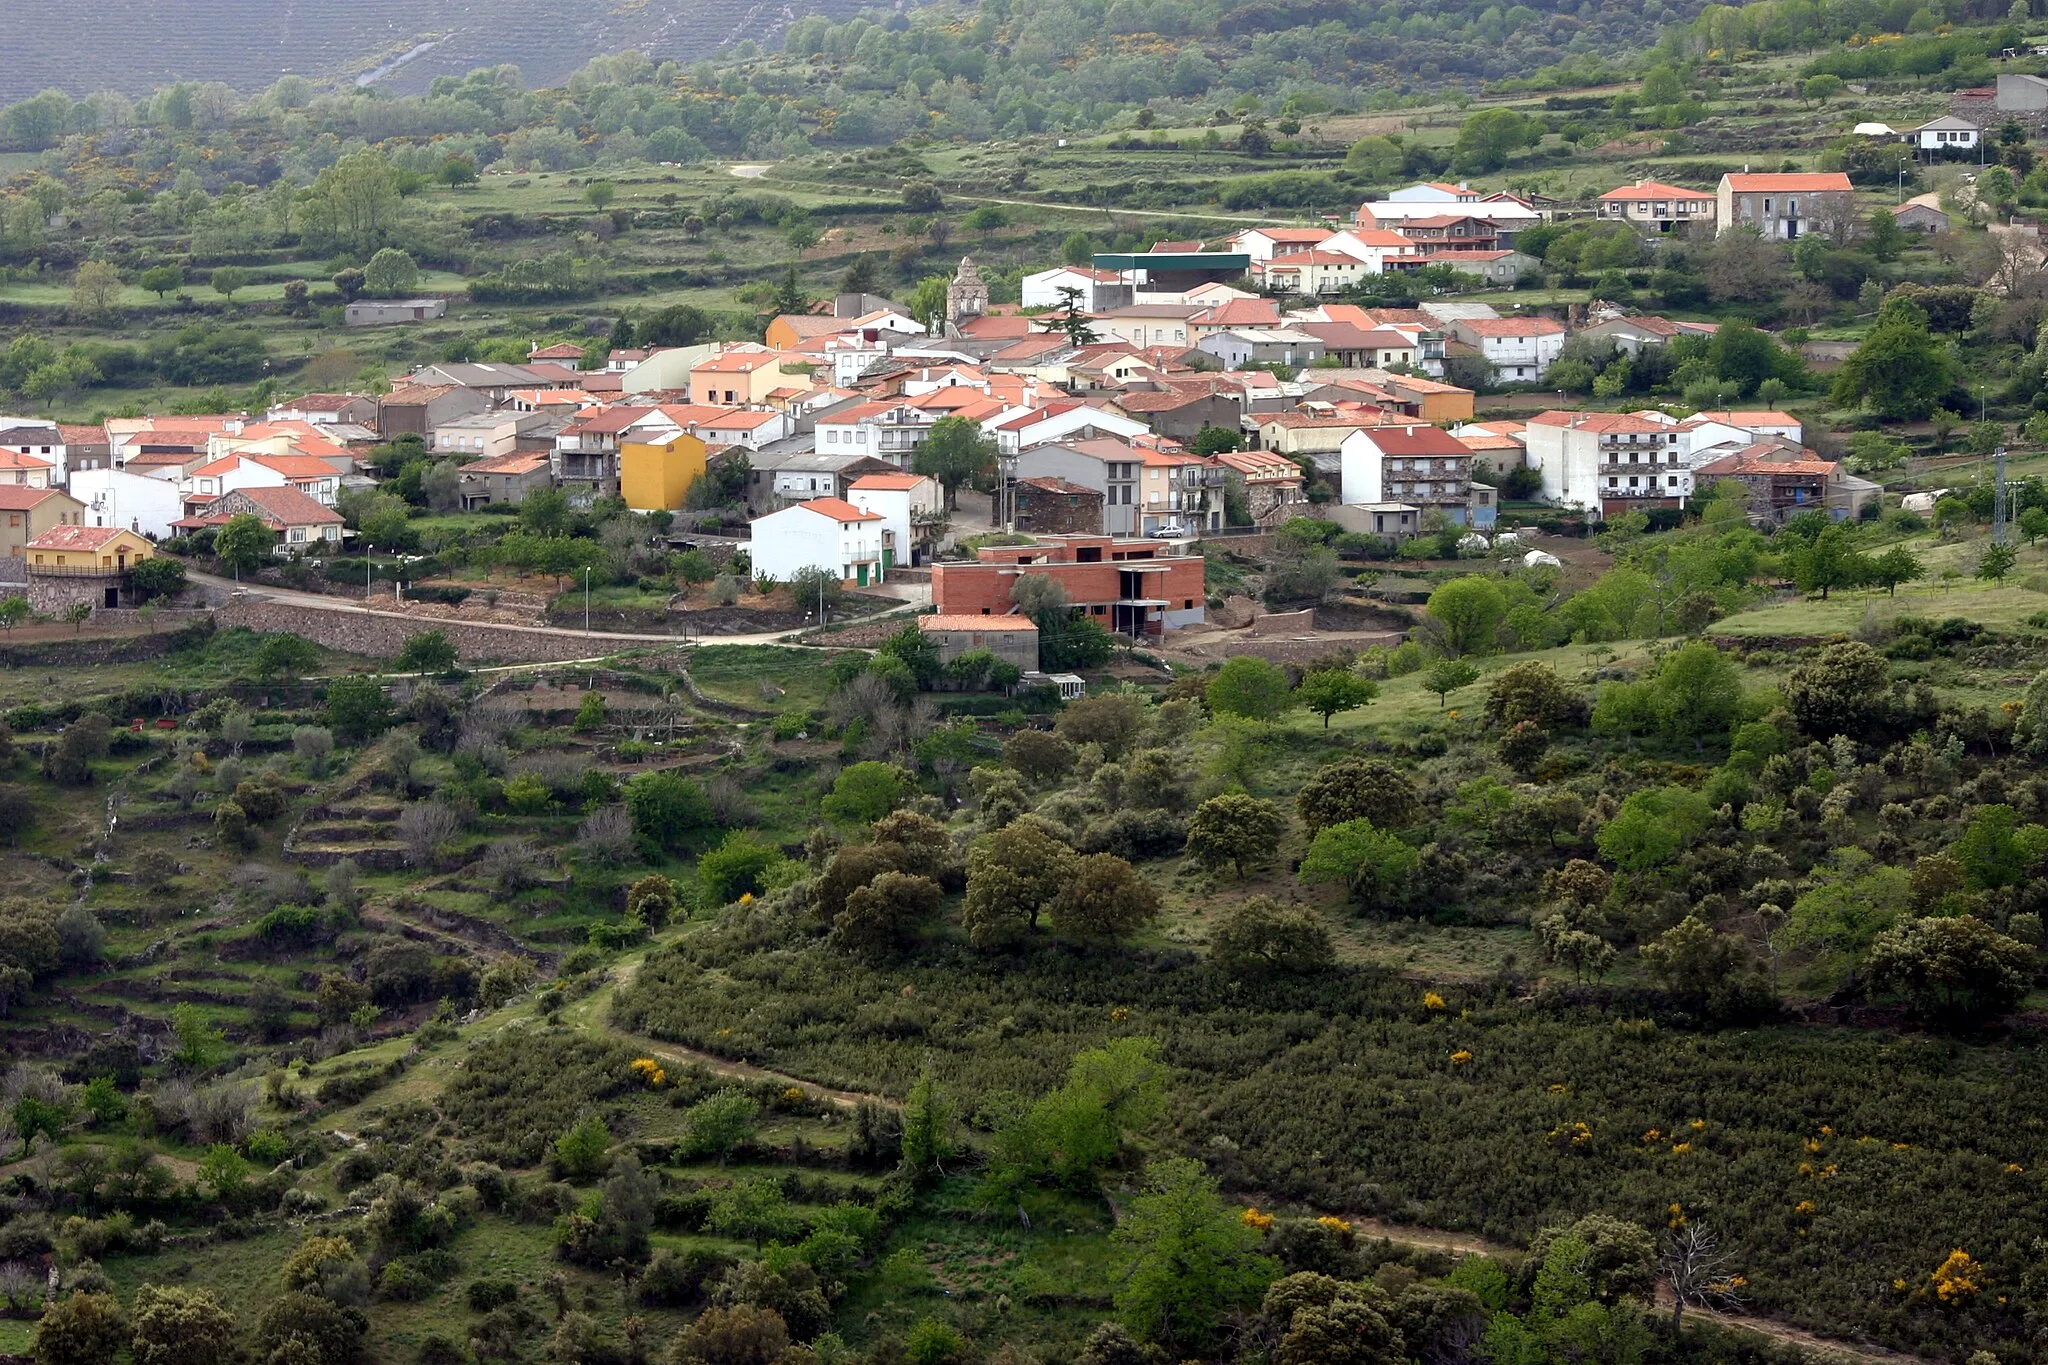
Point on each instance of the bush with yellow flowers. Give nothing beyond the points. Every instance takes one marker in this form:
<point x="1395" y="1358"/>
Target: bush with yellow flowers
<point x="1252" y="1218"/>
<point x="1958" y="1279"/>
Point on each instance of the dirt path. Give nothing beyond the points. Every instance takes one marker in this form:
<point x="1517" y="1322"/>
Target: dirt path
<point x="593" y="1012"/>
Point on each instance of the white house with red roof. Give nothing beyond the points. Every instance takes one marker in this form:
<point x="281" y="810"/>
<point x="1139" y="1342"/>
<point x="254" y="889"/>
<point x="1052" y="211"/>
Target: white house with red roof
<point x="1598" y="461"/>
<point x="897" y="499"/>
<point x="1264" y="243"/>
<point x="1519" y="349"/>
<point x="1061" y="421"/>
<point x="889" y="430"/>
<point x="1420" y="466"/>
<point x="27" y="471"/>
<point x="824" y="533"/>
<point x="1311" y="272"/>
<point x="1380" y="249"/>
<point x="309" y="474"/>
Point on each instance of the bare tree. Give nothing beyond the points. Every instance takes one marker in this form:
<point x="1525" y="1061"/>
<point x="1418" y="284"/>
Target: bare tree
<point x="511" y="864"/>
<point x="606" y="835"/>
<point x="730" y="804"/>
<point x="2014" y="263"/>
<point x="1697" y="1271"/>
<point x="861" y="699"/>
<point x="423" y="827"/>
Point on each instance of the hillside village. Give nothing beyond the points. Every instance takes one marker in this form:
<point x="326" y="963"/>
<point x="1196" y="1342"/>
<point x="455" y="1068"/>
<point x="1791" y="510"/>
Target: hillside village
<point x="1162" y="396"/>
<point x="1074" y="684"/>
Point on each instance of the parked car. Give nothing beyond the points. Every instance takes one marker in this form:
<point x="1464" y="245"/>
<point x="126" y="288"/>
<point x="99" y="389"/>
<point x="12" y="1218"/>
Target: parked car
<point x="1169" y="530"/>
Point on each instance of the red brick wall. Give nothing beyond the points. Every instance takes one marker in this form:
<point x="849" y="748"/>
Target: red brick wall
<point x="970" y="589"/>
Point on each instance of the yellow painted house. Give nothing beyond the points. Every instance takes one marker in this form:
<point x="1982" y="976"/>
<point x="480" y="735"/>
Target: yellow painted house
<point x="88" y="549"/>
<point x="655" y="475"/>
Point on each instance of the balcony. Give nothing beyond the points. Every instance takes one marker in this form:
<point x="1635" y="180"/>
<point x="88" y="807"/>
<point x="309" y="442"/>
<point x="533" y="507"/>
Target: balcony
<point x="81" y="570"/>
<point x="1650" y="468"/>
<point x="1439" y="494"/>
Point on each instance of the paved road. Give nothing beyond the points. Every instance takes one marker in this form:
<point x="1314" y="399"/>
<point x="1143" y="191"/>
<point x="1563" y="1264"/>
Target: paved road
<point x="913" y="596"/>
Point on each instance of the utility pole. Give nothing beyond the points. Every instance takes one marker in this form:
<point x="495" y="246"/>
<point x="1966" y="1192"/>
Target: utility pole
<point x="369" y="594"/>
<point x="586" y="599"/>
<point x="1998" y="497"/>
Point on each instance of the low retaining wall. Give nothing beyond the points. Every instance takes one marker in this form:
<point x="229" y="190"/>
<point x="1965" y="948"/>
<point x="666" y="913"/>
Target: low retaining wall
<point x="381" y="637"/>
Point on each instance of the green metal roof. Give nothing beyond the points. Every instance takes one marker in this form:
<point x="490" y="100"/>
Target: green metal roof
<point x="1173" y="260"/>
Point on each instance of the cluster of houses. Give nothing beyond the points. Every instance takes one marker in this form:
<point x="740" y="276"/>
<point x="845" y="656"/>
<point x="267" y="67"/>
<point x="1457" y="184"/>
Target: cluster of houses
<point x="1102" y="395"/>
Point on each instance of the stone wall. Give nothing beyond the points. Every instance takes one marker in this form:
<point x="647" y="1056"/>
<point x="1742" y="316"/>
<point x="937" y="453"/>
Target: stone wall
<point x="381" y="636"/>
<point x="49" y="595"/>
<point x="1285" y="622"/>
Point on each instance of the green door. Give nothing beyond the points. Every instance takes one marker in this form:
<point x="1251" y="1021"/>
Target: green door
<point x="861" y="575"/>
<point x="888" y="559"/>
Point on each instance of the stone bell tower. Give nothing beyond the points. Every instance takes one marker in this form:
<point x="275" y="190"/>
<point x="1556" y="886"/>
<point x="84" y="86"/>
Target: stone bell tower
<point x="967" y="295"/>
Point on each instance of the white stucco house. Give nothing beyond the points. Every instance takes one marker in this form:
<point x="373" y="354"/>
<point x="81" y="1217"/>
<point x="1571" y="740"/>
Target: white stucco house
<point x="824" y="533"/>
<point x="115" y="497"/>
<point x="896" y="498"/>
<point x="1519" y="349"/>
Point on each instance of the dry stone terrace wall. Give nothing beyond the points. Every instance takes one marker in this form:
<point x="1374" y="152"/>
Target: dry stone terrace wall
<point x="382" y="636"/>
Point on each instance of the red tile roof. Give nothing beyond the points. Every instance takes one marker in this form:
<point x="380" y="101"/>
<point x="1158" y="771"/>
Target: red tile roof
<point x="1788" y="182"/>
<point x="1416" y="440"/>
<point x="1512" y="327"/>
<point x="293" y="466"/>
<point x="1239" y="313"/>
<point x="16" y="497"/>
<point x="78" y="537"/>
<point x="1292" y="234"/>
<point x="1602" y="423"/>
<point x="1656" y="189"/>
<point x="287" y="506"/>
<point x="1744" y="463"/>
<point x="519" y="462"/>
<point x="899" y="483"/>
<point x="839" y="509"/>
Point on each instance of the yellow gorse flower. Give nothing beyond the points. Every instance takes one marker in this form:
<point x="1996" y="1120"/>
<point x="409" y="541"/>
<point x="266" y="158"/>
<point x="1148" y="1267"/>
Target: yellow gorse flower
<point x="1958" y="1278"/>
